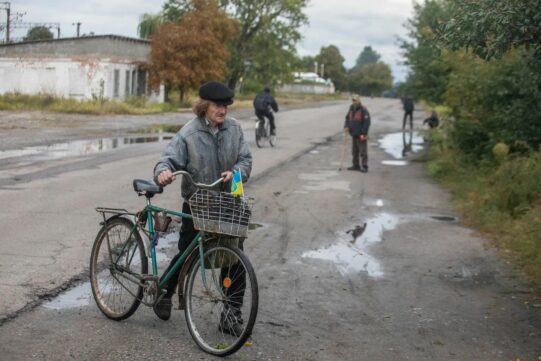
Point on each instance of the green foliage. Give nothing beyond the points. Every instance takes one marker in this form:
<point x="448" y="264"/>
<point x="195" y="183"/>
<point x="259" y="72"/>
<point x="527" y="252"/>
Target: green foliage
<point x="38" y="33"/>
<point x="282" y="18"/>
<point x="501" y="199"/>
<point x="502" y="96"/>
<point x="333" y="63"/>
<point x="16" y="101"/>
<point x="428" y="74"/>
<point x="370" y="79"/>
<point x="305" y="64"/>
<point x="516" y="184"/>
<point x="490" y="28"/>
<point x="148" y="23"/>
<point x="368" y="56"/>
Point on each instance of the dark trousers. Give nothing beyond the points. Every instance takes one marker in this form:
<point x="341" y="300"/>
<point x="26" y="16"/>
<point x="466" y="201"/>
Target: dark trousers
<point x="235" y="272"/>
<point x="359" y="148"/>
<point x="260" y="115"/>
<point x="406" y="115"/>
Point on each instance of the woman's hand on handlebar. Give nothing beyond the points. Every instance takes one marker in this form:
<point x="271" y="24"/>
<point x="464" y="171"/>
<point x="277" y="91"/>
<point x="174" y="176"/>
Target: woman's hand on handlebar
<point x="166" y="177"/>
<point x="227" y="175"/>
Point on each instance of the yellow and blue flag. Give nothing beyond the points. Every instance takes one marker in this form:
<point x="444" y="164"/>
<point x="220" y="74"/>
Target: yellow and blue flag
<point x="236" y="184"/>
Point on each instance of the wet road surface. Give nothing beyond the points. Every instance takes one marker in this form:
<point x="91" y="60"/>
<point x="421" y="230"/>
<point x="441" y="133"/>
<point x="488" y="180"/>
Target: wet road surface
<point x="414" y="284"/>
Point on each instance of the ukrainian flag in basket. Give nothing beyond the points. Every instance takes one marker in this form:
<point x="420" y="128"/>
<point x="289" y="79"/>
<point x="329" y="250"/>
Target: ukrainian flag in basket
<point x="236" y="184"/>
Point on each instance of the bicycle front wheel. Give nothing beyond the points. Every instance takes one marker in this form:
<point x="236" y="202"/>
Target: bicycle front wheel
<point x="117" y="261"/>
<point x="221" y="300"/>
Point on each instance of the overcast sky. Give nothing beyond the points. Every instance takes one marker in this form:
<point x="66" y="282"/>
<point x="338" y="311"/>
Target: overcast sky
<point x="348" y="24"/>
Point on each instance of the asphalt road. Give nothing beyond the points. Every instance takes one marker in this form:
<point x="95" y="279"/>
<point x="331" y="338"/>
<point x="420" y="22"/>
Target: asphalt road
<point x="415" y="285"/>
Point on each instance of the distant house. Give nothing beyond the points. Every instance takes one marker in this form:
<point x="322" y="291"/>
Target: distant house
<point x="90" y="67"/>
<point x="309" y="83"/>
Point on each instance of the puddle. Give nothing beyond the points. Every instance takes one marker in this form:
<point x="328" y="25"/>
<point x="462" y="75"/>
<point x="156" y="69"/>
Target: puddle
<point x="350" y="255"/>
<point x="395" y="162"/>
<point x="322" y="181"/>
<point x="160" y="128"/>
<point x="314" y="152"/>
<point x="79" y="147"/>
<point x="81" y="295"/>
<point x="398" y="145"/>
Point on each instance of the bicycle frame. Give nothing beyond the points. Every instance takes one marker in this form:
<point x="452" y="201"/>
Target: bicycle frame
<point x="150" y="209"/>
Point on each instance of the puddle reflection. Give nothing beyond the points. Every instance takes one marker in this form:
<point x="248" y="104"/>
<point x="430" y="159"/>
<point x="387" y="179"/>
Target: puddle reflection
<point x="81" y="295"/>
<point x="79" y="147"/>
<point x="399" y="144"/>
<point x="351" y="256"/>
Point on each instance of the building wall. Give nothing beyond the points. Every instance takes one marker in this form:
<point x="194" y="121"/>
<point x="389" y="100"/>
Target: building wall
<point x="82" y="79"/>
<point x="308" y="88"/>
<point x="104" y="66"/>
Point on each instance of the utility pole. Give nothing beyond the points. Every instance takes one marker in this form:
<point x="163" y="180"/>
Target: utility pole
<point x="78" y="27"/>
<point x="6" y="6"/>
<point x="322" y="70"/>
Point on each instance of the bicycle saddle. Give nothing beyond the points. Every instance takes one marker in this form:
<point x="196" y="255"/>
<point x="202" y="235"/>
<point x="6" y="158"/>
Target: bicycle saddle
<point x="146" y="188"/>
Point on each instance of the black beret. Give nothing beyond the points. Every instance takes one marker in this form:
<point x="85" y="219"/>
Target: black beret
<point x="216" y="92"/>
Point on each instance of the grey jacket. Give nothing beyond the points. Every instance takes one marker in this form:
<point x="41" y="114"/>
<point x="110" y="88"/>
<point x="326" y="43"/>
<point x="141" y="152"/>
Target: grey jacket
<point x="204" y="155"/>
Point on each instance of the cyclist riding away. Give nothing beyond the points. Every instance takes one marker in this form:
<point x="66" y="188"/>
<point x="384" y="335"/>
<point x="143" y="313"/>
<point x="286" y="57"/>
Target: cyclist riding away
<point x="263" y="103"/>
<point x="208" y="147"/>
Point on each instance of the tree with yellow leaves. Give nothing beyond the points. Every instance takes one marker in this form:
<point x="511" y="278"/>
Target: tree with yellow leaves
<point x="191" y="51"/>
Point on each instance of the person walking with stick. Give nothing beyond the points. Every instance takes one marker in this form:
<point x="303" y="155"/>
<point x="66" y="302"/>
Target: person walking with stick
<point x="357" y="123"/>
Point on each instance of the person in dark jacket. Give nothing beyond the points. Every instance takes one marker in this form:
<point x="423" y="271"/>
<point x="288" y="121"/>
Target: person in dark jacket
<point x="432" y="120"/>
<point x="208" y="147"/>
<point x="263" y="103"/>
<point x="409" y="107"/>
<point x="357" y="123"/>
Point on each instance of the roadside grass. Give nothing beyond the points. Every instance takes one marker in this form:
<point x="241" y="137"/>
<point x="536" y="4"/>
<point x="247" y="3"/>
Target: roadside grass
<point x="139" y="105"/>
<point x="15" y="101"/>
<point x="501" y="198"/>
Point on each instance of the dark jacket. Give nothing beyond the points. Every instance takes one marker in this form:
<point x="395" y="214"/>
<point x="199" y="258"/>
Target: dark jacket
<point x="204" y="155"/>
<point x="357" y="121"/>
<point x="409" y="106"/>
<point x="263" y="101"/>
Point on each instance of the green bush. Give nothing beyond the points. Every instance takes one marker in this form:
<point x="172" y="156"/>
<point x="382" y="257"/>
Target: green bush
<point x="515" y="184"/>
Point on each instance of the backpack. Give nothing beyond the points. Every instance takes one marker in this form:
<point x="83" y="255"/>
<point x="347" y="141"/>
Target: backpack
<point x="260" y="103"/>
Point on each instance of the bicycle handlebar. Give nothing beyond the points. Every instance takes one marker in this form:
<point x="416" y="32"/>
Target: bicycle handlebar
<point x="198" y="185"/>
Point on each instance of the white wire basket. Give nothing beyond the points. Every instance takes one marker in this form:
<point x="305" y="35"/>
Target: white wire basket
<point x="220" y="212"/>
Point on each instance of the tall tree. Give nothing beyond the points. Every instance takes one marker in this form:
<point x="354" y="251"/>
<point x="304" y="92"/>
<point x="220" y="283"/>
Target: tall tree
<point x="148" y="23"/>
<point x="38" y="33"/>
<point x="192" y="51"/>
<point x="370" y="79"/>
<point x="428" y="73"/>
<point x="280" y="17"/>
<point x="333" y="65"/>
<point x="368" y="56"/>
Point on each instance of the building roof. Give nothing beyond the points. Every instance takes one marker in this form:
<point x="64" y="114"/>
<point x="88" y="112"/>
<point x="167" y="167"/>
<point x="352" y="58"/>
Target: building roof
<point x="112" y="46"/>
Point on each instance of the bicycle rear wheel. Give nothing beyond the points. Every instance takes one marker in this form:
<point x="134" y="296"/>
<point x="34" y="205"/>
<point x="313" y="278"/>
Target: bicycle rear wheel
<point x="117" y="260"/>
<point x="259" y="134"/>
<point x="222" y="313"/>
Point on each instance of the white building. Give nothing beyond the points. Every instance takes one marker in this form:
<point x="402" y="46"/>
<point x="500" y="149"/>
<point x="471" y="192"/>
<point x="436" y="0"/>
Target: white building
<point x="309" y="83"/>
<point x="91" y="67"/>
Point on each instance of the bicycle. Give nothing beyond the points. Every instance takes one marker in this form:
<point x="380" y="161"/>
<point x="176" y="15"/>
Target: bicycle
<point x="212" y="269"/>
<point x="263" y="133"/>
